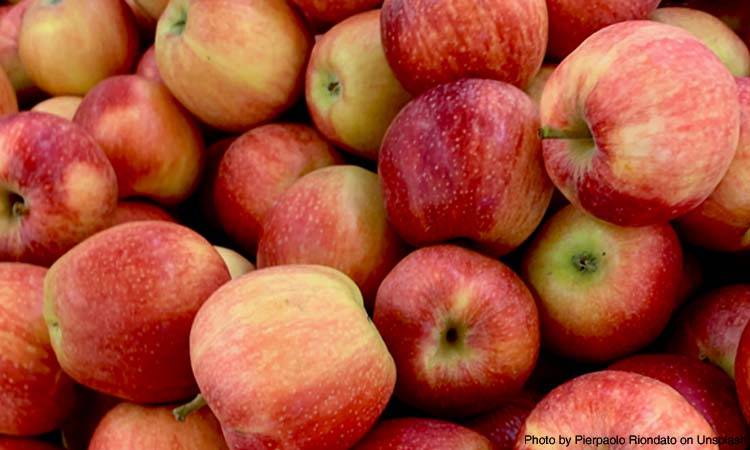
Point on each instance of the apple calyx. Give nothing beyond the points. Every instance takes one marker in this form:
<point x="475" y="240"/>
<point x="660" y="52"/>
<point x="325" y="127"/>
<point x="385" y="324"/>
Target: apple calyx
<point x="585" y="262"/>
<point x="554" y="133"/>
<point x="182" y="412"/>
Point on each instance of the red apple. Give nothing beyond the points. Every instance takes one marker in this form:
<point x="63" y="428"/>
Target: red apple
<point x="154" y="276"/>
<point x="603" y="291"/>
<point x="633" y="142"/>
<point x="572" y="21"/>
<point x="703" y="385"/>
<point x="723" y="220"/>
<point x="615" y="409"/>
<point x="129" y="426"/>
<point x="147" y="67"/>
<point x="321" y="12"/>
<point x="134" y="211"/>
<point x="464" y="161"/>
<point x="742" y="381"/>
<point x="237" y="264"/>
<point x="351" y="91"/>
<point x="255" y="171"/>
<point x="154" y="145"/>
<point x="710" y="326"/>
<point x="234" y="64"/>
<point x="35" y="394"/>
<point x="502" y="425"/>
<point x="68" y="46"/>
<point x="64" y="106"/>
<point x="431" y="42"/>
<point x="422" y="434"/>
<point x="57" y="187"/>
<point x="10" y="28"/>
<point x="24" y="444"/>
<point x="294" y="342"/>
<point x="334" y="217"/>
<point x="462" y="328"/>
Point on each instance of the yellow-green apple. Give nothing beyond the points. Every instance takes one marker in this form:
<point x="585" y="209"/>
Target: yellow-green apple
<point x="255" y="171"/>
<point x="502" y="425"/>
<point x="134" y="211"/>
<point x="705" y="386"/>
<point x="464" y="161"/>
<point x="147" y="67"/>
<point x="722" y="222"/>
<point x="572" y="21"/>
<point x="234" y="64"/>
<point x="742" y="380"/>
<point x="237" y="264"/>
<point x="64" y="106"/>
<point x="35" y="394"/>
<point x="154" y="275"/>
<point x="709" y="328"/>
<point x="326" y="12"/>
<point x="603" y="291"/>
<point x="351" y="91"/>
<point x="411" y="433"/>
<point x="736" y="14"/>
<point x="24" y="444"/>
<point x="56" y="187"/>
<point x="153" y="144"/>
<point x="147" y="12"/>
<point x="432" y="42"/>
<point x="536" y="87"/>
<point x="614" y="409"/>
<point x="334" y="217"/>
<point x="619" y="142"/>
<point x="130" y="426"/>
<point x="462" y="328"/>
<point x="286" y="357"/>
<point x="10" y="27"/>
<point x="68" y="46"/>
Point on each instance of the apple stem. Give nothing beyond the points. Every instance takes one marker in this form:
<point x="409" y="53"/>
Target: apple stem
<point x="554" y="133"/>
<point x="19" y="209"/>
<point x="182" y="412"/>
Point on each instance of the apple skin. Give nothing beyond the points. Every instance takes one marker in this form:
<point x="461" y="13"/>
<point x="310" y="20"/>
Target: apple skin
<point x="703" y="385"/>
<point x="614" y="403"/>
<point x="307" y="326"/>
<point x="334" y="217"/>
<point x="323" y="12"/>
<point x="8" y="101"/>
<point x="603" y="291"/>
<point x="619" y="142"/>
<point x="502" y="425"/>
<point x="709" y="328"/>
<point x="351" y="92"/>
<point x="35" y="394"/>
<point x="572" y="21"/>
<point x="742" y="380"/>
<point x="154" y="145"/>
<point x="24" y="444"/>
<point x="147" y="67"/>
<point x="55" y="202"/>
<point x="10" y="28"/>
<point x="64" y="106"/>
<point x="213" y="58"/>
<point x="433" y="166"/>
<point x="422" y="434"/>
<point x="130" y="426"/>
<point x="134" y="211"/>
<point x="462" y="328"/>
<point x="83" y="43"/>
<point x="536" y="86"/>
<point x="716" y="35"/>
<point x="723" y="220"/>
<point x="237" y="264"/>
<point x="155" y="276"/>
<point x="432" y="42"/>
<point x="255" y="171"/>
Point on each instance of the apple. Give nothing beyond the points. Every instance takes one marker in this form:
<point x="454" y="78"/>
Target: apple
<point x="64" y="106"/>
<point x="733" y="13"/>
<point x="322" y="12"/>
<point x="129" y="426"/>
<point x="462" y="328"/>
<point x="334" y="217"/>
<point x="154" y="275"/>
<point x="351" y="91"/>
<point x="134" y="211"/>
<point x="35" y="394"/>
<point x="723" y="220"/>
<point x="464" y="161"/>
<point x="703" y="385"/>
<point x="154" y="145"/>
<point x="147" y="67"/>
<point x="24" y="444"/>
<point x="237" y="264"/>
<point x="411" y="433"/>
<point x="294" y="342"/>
<point x="572" y="21"/>
<point x="255" y="171"/>
<point x="8" y="101"/>
<point x="632" y="146"/>
<point x="502" y="425"/>
<point x="742" y="381"/>
<point x="234" y="64"/>
<point x="432" y="42"/>
<point x="716" y="35"/>
<point x="603" y="291"/>
<point x="536" y="87"/>
<point x="626" y="409"/>
<point x="10" y="27"/>
<point x="68" y="46"/>
<point x="58" y="187"/>
<point x="709" y="328"/>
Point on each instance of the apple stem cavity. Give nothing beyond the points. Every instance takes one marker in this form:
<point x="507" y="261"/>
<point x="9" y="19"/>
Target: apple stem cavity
<point x="18" y="207"/>
<point x="178" y="27"/>
<point x="554" y="133"/>
<point x="182" y="412"/>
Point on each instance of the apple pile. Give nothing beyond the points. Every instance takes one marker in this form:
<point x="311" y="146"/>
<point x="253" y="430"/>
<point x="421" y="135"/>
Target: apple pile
<point x="368" y="224"/>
